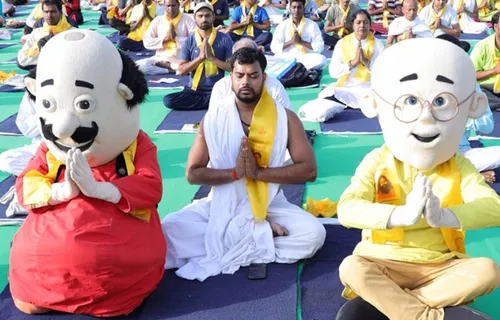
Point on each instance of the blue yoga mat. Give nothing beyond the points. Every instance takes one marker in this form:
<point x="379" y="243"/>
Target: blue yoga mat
<point x="495" y="134"/>
<point x="219" y="297"/>
<point x="139" y="55"/>
<point x="24" y="8"/>
<point x="7" y="88"/>
<point x="327" y="53"/>
<point x="176" y="120"/>
<point x="8" y="127"/>
<point x="180" y="83"/>
<point x="471" y="36"/>
<point x="114" y="37"/>
<point x="351" y="121"/>
<point x="320" y="284"/>
<point x="294" y="193"/>
<point x="5" y="45"/>
<point x="5" y="185"/>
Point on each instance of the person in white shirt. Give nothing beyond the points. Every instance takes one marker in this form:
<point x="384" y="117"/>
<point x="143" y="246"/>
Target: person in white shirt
<point x="14" y="161"/>
<point x="352" y="60"/>
<point x="166" y="34"/>
<point x="440" y="18"/>
<point x="467" y="11"/>
<point x="409" y="25"/>
<point x="223" y="87"/>
<point x="299" y="37"/>
<point x="273" y="9"/>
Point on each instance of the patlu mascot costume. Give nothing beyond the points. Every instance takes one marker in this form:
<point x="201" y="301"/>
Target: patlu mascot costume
<point x="415" y="196"/>
<point x="92" y="243"/>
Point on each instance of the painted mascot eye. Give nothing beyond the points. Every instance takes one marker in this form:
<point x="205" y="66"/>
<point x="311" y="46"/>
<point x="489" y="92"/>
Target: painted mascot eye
<point x="85" y="103"/>
<point x="46" y="104"/>
<point x="411" y="100"/>
<point x="439" y="102"/>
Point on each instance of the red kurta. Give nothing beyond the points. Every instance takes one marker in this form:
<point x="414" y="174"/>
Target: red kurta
<point x="91" y="256"/>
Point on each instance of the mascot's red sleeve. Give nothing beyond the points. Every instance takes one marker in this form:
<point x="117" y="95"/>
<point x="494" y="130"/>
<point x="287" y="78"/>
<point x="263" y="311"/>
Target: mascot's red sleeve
<point x="88" y="255"/>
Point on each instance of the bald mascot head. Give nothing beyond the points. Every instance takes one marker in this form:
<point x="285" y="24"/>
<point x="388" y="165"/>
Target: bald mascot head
<point x="423" y="91"/>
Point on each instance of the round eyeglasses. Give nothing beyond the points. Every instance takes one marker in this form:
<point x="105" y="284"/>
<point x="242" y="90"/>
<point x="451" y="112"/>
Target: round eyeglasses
<point x="408" y="108"/>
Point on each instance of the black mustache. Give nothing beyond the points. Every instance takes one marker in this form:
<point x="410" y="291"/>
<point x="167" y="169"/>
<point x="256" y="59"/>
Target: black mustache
<point x="81" y="134"/>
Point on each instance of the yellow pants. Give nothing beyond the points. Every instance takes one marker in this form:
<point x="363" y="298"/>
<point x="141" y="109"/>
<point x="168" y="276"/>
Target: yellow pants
<point x="410" y="291"/>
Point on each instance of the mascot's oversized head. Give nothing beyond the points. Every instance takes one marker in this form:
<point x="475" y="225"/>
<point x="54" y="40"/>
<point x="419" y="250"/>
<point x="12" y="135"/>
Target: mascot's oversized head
<point x="423" y="91"/>
<point x="86" y="94"/>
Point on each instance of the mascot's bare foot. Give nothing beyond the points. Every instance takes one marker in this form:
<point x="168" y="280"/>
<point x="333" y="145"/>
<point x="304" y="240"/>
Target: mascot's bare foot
<point x="464" y="313"/>
<point x="29" y="308"/>
<point x="278" y="230"/>
<point x="489" y="176"/>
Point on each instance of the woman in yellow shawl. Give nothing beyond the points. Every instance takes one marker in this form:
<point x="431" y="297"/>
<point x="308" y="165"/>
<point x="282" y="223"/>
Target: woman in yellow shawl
<point x="140" y="17"/>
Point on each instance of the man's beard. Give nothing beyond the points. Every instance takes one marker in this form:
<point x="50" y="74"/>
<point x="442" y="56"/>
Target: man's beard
<point x="249" y="98"/>
<point x="205" y="26"/>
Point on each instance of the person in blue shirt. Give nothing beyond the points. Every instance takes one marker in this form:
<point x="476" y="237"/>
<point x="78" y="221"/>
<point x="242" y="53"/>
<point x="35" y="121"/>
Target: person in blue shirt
<point x="221" y="10"/>
<point x="204" y="54"/>
<point x="251" y="21"/>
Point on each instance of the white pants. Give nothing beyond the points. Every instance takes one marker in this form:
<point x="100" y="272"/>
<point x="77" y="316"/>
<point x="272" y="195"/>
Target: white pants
<point x="185" y="233"/>
<point x="15" y="160"/>
<point x="484" y="159"/>
<point x="309" y="60"/>
<point x="147" y="66"/>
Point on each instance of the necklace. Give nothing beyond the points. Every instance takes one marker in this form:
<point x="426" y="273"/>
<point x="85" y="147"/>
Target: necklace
<point x="246" y="124"/>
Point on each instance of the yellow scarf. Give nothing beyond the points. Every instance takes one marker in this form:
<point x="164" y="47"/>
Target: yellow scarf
<point x="261" y="140"/>
<point x="171" y="46"/>
<point x="38" y="12"/>
<point x="208" y="66"/>
<point x="47" y="29"/>
<point x="435" y="17"/>
<point x="300" y="30"/>
<point x="37" y="187"/>
<point x="348" y="50"/>
<point x="445" y="185"/>
<point x="385" y="18"/>
<point x="496" y="86"/>
<point x="249" y="27"/>
<point x="138" y="33"/>
<point x="212" y="2"/>
<point x="112" y="10"/>
<point x="342" y="32"/>
<point x="421" y="5"/>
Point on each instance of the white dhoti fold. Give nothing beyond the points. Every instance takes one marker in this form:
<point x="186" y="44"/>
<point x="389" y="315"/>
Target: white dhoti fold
<point x="311" y="60"/>
<point x="15" y="160"/>
<point x="353" y="96"/>
<point x="218" y="234"/>
<point x="148" y="67"/>
<point x="468" y="25"/>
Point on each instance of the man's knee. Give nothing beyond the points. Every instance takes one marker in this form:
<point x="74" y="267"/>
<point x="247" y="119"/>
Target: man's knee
<point x="29" y="308"/>
<point x="317" y="233"/>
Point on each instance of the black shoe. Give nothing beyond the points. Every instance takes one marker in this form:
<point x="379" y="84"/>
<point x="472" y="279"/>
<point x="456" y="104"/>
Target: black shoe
<point x="359" y="309"/>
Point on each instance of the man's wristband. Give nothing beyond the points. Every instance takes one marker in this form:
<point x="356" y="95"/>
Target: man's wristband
<point x="235" y="176"/>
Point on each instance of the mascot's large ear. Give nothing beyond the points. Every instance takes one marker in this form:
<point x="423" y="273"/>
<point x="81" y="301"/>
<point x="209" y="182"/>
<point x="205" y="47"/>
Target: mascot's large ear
<point x="478" y="105"/>
<point x="30" y="83"/>
<point x="369" y="105"/>
<point x="133" y="85"/>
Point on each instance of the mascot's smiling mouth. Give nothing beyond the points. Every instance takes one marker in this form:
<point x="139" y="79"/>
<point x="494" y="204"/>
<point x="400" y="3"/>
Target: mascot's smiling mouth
<point x="425" y="139"/>
<point x="83" y="136"/>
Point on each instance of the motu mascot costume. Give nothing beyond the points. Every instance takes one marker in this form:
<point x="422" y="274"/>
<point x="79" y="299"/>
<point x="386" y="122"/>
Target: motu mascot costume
<point x="92" y="243"/>
<point x="415" y="197"/>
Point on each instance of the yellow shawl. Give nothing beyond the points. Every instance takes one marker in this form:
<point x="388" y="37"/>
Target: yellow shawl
<point x="47" y="29"/>
<point x="435" y="17"/>
<point x="348" y="51"/>
<point x="208" y="66"/>
<point x="300" y="30"/>
<point x="261" y="140"/>
<point x="138" y="33"/>
<point x="249" y="27"/>
<point x="171" y="46"/>
<point x="342" y="32"/>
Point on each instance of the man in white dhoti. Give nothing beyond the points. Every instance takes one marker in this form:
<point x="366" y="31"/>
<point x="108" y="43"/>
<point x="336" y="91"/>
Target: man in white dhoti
<point x="239" y="150"/>
<point x="441" y="18"/>
<point x="15" y="160"/>
<point x="467" y="12"/>
<point x="408" y="26"/>
<point x="352" y="59"/>
<point x="166" y="34"/>
<point x="224" y="86"/>
<point x="299" y="37"/>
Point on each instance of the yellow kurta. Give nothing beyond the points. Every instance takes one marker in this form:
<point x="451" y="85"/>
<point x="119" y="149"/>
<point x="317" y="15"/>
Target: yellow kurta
<point x="421" y="243"/>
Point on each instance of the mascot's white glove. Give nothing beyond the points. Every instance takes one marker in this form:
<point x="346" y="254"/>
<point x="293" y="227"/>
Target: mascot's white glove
<point x="438" y="217"/>
<point x="82" y="175"/>
<point x="64" y="191"/>
<point x="411" y="212"/>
